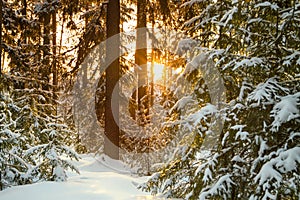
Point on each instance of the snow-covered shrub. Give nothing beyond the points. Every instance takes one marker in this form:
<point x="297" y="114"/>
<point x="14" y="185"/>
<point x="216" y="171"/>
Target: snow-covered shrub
<point x="50" y="160"/>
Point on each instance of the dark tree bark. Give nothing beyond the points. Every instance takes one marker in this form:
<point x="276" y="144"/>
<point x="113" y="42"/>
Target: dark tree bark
<point x="111" y="141"/>
<point x="54" y="62"/>
<point x="141" y="61"/>
<point x="24" y="13"/>
<point x="1" y="14"/>
<point x="46" y="38"/>
<point x="86" y="22"/>
<point x="46" y="50"/>
<point x="152" y="69"/>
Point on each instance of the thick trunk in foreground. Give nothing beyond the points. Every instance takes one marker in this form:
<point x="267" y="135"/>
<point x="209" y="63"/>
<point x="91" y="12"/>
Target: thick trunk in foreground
<point x="111" y="141"/>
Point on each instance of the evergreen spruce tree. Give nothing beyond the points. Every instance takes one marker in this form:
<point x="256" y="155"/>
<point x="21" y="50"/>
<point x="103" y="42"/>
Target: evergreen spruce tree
<point x="256" y="156"/>
<point x="36" y="143"/>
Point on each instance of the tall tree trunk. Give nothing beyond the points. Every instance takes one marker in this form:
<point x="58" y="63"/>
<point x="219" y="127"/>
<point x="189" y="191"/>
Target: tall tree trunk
<point x="54" y="66"/>
<point x="1" y="14"/>
<point x="46" y="50"/>
<point x="141" y="61"/>
<point x="61" y="35"/>
<point x="86" y="21"/>
<point x="111" y="141"/>
<point x="39" y="40"/>
<point x="24" y="13"/>
<point x="1" y="187"/>
<point x="152" y="68"/>
<point x="152" y="79"/>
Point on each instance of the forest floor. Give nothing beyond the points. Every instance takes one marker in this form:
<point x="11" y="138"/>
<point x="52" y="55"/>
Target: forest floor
<point x="98" y="180"/>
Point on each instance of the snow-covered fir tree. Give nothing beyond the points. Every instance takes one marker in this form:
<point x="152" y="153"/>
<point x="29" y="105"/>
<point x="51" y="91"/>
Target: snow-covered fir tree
<point x="255" y="46"/>
<point x="34" y="142"/>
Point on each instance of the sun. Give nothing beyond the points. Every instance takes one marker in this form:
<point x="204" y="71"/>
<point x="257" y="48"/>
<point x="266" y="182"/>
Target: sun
<point x="158" y="70"/>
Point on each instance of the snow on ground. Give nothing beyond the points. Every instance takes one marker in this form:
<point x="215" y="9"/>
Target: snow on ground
<point x="99" y="180"/>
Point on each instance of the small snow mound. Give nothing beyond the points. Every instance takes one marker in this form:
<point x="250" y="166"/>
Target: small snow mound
<point x="94" y="166"/>
<point x="113" y="165"/>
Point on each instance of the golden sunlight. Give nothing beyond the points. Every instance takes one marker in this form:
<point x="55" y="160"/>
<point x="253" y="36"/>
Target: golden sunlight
<point x="158" y="71"/>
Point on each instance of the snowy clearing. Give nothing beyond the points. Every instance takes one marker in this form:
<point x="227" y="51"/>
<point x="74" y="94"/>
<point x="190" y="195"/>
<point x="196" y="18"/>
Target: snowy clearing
<point x="97" y="181"/>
